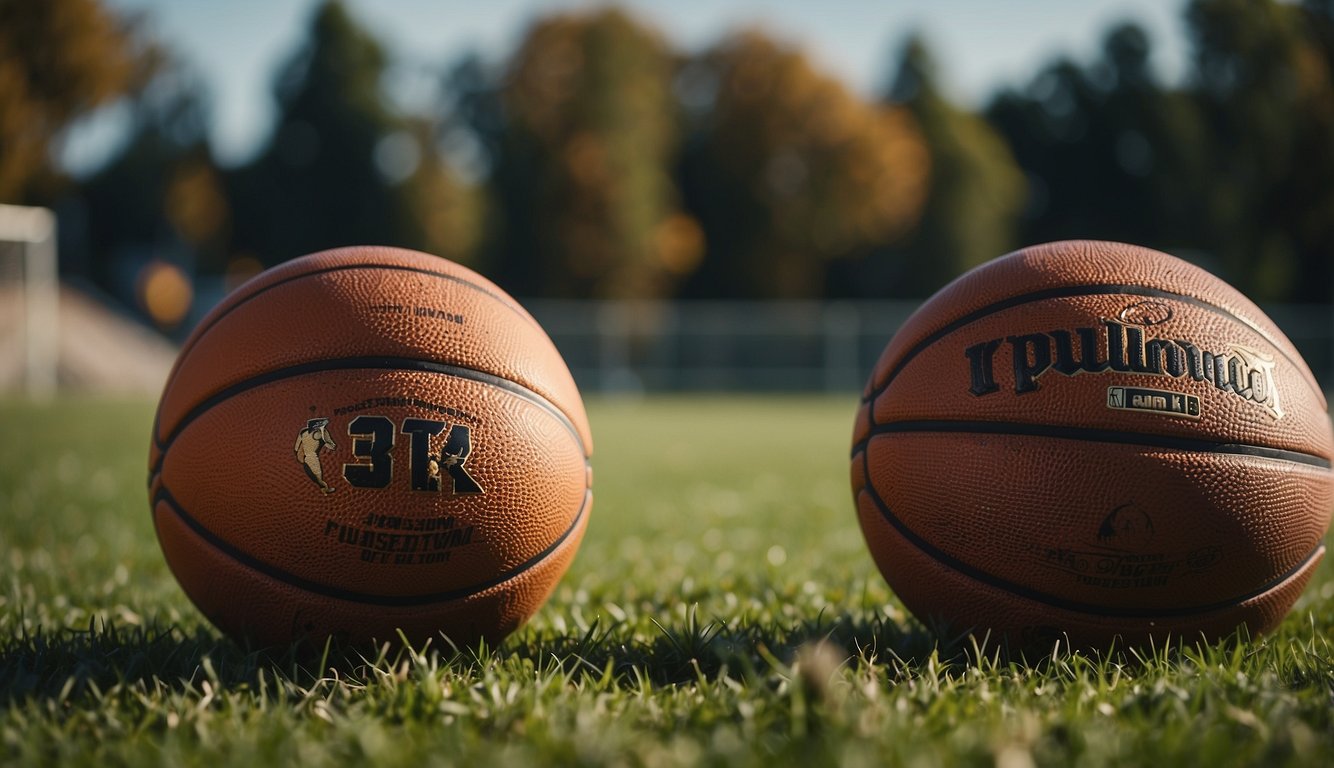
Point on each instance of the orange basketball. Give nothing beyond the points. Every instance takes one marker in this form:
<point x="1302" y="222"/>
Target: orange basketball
<point x="369" y="440"/>
<point x="1093" y="440"/>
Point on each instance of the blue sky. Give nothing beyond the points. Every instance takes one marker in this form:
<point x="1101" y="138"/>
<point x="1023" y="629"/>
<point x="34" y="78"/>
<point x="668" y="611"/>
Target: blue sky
<point x="237" y="45"/>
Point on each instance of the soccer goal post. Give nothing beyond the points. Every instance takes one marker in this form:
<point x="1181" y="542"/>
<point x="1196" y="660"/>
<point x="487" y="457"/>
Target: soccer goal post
<point x="29" y="296"/>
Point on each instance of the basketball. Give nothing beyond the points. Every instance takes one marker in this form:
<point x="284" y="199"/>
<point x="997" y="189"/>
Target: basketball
<point x="368" y="441"/>
<point x="1095" y="442"/>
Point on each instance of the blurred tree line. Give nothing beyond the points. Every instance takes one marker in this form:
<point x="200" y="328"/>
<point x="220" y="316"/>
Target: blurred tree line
<point x="596" y="160"/>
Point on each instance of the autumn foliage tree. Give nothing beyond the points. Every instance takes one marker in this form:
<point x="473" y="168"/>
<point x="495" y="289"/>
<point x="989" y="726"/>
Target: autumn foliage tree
<point x="585" y="203"/>
<point x="975" y="190"/>
<point x="614" y="166"/>
<point x="342" y="165"/>
<point x="59" y="60"/>
<point x="1109" y="150"/>
<point x="1264" y="84"/>
<point x="162" y="196"/>
<point x="789" y="172"/>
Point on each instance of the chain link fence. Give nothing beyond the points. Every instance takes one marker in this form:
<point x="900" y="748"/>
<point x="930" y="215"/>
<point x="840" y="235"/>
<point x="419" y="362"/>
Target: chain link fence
<point x="794" y="346"/>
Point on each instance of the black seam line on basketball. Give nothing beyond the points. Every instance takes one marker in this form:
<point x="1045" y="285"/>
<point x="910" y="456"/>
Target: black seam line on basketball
<point x="345" y="267"/>
<point x="1054" y="601"/>
<point x="273" y="572"/>
<point x="1091" y="435"/>
<point x="202" y="330"/>
<point x="368" y="363"/>
<point x="1101" y="289"/>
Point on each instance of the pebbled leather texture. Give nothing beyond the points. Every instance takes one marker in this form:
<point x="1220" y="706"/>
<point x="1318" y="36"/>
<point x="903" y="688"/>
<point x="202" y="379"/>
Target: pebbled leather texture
<point x="1095" y="440"/>
<point x="369" y="440"/>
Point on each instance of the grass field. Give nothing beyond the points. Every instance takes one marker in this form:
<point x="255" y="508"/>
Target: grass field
<point x="722" y="611"/>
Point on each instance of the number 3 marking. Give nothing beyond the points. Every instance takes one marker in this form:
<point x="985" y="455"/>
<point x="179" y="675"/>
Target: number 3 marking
<point x="374" y="439"/>
<point x="380" y="469"/>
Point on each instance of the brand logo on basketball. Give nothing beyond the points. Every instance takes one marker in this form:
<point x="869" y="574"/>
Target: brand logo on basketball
<point x="1122" y="347"/>
<point x="1147" y="312"/>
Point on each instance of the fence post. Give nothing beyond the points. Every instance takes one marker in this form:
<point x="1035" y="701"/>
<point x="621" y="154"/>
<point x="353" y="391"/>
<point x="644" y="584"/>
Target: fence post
<point x="35" y="230"/>
<point x="841" y="328"/>
<point x="613" y="330"/>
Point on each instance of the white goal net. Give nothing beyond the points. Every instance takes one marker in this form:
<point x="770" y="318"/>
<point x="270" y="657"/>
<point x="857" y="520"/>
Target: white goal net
<point x="29" y="293"/>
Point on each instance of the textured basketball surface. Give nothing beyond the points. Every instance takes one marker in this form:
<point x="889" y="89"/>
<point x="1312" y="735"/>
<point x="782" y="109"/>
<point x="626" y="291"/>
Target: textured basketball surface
<point x="1095" y="440"/>
<point x="369" y="440"/>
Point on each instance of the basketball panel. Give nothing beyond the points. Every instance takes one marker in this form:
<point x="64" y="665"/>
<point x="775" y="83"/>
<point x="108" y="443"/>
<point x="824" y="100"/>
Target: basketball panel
<point x="1120" y="526"/>
<point x="1059" y="266"/>
<point x="399" y="310"/>
<point x="342" y="258"/>
<point x="945" y="599"/>
<point x="369" y="501"/>
<point x="1192" y="374"/>
<point x="245" y="603"/>
<point x="1182" y="469"/>
<point x="370" y="313"/>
